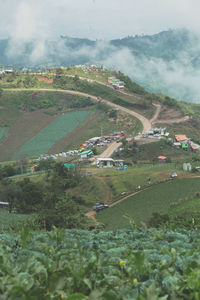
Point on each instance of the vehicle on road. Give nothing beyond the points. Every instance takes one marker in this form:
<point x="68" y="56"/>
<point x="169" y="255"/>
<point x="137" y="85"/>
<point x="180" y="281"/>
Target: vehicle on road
<point x="100" y="206"/>
<point x="173" y="175"/>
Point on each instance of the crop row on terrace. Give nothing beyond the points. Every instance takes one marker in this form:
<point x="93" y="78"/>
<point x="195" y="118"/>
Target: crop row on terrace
<point x="47" y="137"/>
<point x="11" y="220"/>
<point x="3" y="133"/>
<point x="76" y="264"/>
<point x="27" y="126"/>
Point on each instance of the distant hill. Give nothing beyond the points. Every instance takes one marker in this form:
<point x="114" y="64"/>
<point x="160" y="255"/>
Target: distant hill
<point x="167" y="62"/>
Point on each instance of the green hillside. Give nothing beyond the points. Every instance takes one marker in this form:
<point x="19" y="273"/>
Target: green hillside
<point x="157" y="198"/>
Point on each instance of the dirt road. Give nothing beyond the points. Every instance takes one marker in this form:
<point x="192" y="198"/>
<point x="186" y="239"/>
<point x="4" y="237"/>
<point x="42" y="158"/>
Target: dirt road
<point x="145" y="122"/>
<point x="158" y="109"/>
<point x="113" y="146"/>
<point x="109" y="151"/>
<point x="173" y="121"/>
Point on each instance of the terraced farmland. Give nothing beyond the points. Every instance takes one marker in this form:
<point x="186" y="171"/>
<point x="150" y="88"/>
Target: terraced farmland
<point x="157" y="198"/>
<point x="51" y="134"/>
<point x="26" y="127"/>
<point x="8" y="220"/>
<point x="3" y="133"/>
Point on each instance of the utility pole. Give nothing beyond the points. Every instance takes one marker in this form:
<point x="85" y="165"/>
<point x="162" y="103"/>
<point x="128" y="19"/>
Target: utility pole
<point x="101" y="131"/>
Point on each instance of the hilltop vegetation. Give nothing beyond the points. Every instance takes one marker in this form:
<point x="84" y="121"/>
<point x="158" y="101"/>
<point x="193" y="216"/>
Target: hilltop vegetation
<point x="154" y="59"/>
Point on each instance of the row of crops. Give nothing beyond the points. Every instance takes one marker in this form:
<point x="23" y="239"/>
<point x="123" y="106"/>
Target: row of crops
<point x="47" y="137"/>
<point x="75" y="264"/>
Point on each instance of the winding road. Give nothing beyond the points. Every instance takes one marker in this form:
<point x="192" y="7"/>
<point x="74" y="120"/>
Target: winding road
<point x="145" y="122"/>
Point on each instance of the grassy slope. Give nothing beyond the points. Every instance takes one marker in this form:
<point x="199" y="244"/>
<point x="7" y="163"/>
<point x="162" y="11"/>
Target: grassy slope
<point x="148" y="152"/>
<point x="136" y="102"/>
<point x="155" y="199"/>
<point x="128" y="181"/>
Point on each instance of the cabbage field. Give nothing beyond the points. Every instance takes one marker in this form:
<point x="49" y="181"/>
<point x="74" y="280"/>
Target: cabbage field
<point x="11" y="220"/>
<point x="47" y="137"/>
<point x="125" y="264"/>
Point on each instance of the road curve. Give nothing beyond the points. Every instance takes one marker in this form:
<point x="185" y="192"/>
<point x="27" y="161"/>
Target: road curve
<point x="145" y="122"/>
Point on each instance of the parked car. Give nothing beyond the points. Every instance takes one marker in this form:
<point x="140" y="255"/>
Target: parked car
<point x="173" y="175"/>
<point x="100" y="206"/>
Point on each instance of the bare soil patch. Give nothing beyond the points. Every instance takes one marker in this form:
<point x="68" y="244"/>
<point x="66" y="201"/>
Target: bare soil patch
<point x="45" y="79"/>
<point x="167" y="113"/>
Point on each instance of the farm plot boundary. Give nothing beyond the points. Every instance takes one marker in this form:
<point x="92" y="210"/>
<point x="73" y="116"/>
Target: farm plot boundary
<point x="51" y="134"/>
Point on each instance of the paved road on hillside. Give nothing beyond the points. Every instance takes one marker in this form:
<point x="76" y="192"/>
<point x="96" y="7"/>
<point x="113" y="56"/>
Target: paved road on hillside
<point x="110" y="149"/>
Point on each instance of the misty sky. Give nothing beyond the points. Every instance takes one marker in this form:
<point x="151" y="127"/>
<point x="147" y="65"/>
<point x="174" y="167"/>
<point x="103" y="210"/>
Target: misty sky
<point x="95" y="19"/>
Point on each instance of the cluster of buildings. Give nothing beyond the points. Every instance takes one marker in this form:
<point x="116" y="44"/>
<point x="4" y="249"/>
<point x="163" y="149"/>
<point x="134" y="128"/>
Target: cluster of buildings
<point x="91" y="69"/>
<point x="8" y="71"/>
<point x="85" y="150"/>
<point x="100" y="141"/>
<point x="183" y="142"/>
<point x="116" y="83"/>
<point x="156" y="132"/>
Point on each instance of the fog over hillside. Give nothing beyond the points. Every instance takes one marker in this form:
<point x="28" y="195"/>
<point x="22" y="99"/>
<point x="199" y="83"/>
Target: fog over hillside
<point x="167" y="62"/>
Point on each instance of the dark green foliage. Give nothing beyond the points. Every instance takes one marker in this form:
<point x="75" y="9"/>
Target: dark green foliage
<point x="113" y="114"/>
<point x="77" y="264"/>
<point x="170" y="102"/>
<point x="45" y="164"/>
<point x="48" y="199"/>
<point x="157" y="220"/>
<point x="8" y="170"/>
<point x="187" y="220"/>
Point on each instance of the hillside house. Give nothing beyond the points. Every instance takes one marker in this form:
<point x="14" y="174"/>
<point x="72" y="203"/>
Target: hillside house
<point x="177" y="144"/>
<point x="4" y="205"/>
<point x="119" y="85"/>
<point x="181" y="138"/>
<point x="187" y="167"/>
<point x="184" y="146"/>
<point x="109" y="162"/>
<point x="162" y="158"/>
<point x="194" y="147"/>
<point x="86" y="154"/>
<point x="112" y="79"/>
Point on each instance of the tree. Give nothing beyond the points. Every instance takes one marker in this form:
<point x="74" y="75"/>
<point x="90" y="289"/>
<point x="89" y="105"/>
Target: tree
<point x="23" y="161"/>
<point x="59" y="72"/>
<point x="65" y="214"/>
<point x="113" y="114"/>
<point x="124" y="142"/>
<point x="31" y="198"/>
<point x="10" y="192"/>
